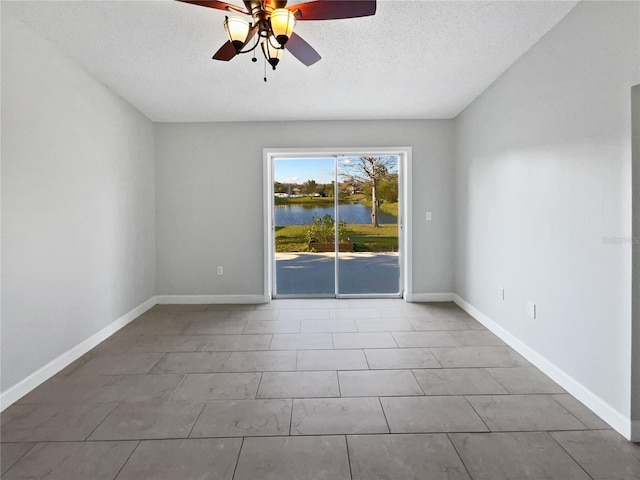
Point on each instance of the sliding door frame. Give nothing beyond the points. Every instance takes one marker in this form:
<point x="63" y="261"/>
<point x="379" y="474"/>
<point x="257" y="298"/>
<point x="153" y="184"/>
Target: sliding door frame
<point x="404" y="156"/>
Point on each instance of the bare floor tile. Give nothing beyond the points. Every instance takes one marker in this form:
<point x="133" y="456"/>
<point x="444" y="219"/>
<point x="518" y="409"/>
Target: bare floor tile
<point x="137" y="388"/>
<point x="66" y="389"/>
<point x="605" y="455"/>
<point x="276" y="361"/>
<point x="457" y="381"/>
<point x="431" y="414"/>
<point x="353" y="313"/>
<point x="418" y="390"/>
<point x="201" y="362"/>
<point x="440" y="324"/>
<point x="218" y="386"/>
<point x="287" y="458"/>
<point x="237" y="343"/>
<point x="302" y="341"/>
<point x="406" y="457"/>
<point x="72" y="461"/>
<point x="305" y="314"/>
<point x="16" y="411"/>
<point x="328" y="326"/>
<point x="378" y="383"/>
<point x="479" y="357"/>
<point x="168" y="343"/>
<point x="299" y="385"/>
<point x="509" y="456"/>
<point x="364" y="340"/>
<point x="49" y="423"/>
<point x="10" y="453"/>
<point x="272" y="326"/>
<point x="148" y="420"/>
<point x="477" y="338"/>
<point x="243" y="418"/>
<point x="119" y="364"/>
<point x="337" y="416"/>
<point x="202" y="459"/>
<point x="524" y="413"/>
<point x="425" y="339"/>
<point x="524" y="380"/>
<point x="331" y="360"/>
<point x="390" y="358"/>
<point x="155" y="326"/>
<point x="582" y="413"/>
<point x="262" y="314"/>
<point x="217" y="326"/>
<point x="383" y="325"/>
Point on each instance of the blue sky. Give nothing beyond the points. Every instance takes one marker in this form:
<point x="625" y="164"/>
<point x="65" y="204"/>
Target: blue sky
<point x="301" y="170"/>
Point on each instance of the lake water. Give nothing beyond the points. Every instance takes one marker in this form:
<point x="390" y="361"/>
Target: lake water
<point x="349" y="212"/>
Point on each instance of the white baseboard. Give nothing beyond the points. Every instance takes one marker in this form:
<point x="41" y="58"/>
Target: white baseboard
<point x="635" y="431"/>
<point x="54" y="366"/>
<point x="601" y="408"/>
<point x="431" y="297"/>
<point x="209" y="299"/>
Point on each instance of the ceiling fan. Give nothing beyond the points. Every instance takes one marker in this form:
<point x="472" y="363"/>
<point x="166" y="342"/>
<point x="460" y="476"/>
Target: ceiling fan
<point x="273" y="23"/>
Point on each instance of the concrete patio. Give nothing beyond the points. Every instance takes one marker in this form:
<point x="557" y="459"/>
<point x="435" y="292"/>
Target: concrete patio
<point x="359" y="273"/>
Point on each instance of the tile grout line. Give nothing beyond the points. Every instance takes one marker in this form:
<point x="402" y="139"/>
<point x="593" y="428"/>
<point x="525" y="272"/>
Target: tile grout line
<point x="204" y="405"/>
<point x="235" y="467"/>
<point x="548" y="432"/>
<point x="448" y="435"/>
<point x="476" y="412"/>
<point x="182" y="380"/>
<point x="128" y="458"/>
<point x="21" y="456"/>
<point x="552" y="396"/>
<point x="346" y="441"/>
<point x="385" y="415"/>
<point x="418" y="382"/>
<point x="117" y="404"/>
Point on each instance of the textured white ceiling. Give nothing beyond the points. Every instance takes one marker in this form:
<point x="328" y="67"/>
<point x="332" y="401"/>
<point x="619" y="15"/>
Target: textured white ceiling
<point x="413" y="59"/>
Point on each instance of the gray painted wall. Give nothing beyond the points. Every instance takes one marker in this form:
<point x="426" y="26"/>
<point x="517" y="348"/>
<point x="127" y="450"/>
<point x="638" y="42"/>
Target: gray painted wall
<point x="635" y="352"/>
<point x="543" y="176"/>
<point x="210" y="185"/>
<point x="77" y="204"/>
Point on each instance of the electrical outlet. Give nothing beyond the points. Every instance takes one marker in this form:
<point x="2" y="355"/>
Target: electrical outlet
<point x="531" y="310"/>
<point x="501" y="293"/>
<point x="220" y="271"/>
<point x="428" y="216"/>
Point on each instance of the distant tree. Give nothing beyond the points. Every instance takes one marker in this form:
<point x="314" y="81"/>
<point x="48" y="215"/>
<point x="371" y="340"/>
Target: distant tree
<point x="309" y="187"/>
<point x="278" y="187"/>
<point x="370" y="172"/>
<point x="388" y="189"/>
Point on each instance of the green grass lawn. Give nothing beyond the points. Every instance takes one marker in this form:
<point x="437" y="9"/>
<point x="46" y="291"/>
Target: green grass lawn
<point x="322" y="201"/>
<point x="365" y="238"/>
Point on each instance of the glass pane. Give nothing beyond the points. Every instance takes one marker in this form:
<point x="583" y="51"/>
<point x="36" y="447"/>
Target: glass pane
<point x="368" y="260"/>
<point x="304" y="211"/>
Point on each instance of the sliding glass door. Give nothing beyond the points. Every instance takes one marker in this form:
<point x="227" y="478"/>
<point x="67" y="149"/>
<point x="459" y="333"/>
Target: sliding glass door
<point x="367" y="211"/>
<point x="336" y="226"/>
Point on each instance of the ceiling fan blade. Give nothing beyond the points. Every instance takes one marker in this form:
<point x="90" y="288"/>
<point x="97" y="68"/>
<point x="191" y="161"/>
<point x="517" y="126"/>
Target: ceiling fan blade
<point x="216" y="4"/>
<point x="300" y="49"/>
<point x="334" y="9"/>
<point x="226" y="52"/>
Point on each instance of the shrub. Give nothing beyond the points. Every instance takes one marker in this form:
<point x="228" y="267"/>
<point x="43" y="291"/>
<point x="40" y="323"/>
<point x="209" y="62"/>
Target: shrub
<point x="322" y="230"/>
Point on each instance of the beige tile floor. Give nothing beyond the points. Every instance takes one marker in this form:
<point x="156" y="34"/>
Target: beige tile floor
<point x="307" y="389"/>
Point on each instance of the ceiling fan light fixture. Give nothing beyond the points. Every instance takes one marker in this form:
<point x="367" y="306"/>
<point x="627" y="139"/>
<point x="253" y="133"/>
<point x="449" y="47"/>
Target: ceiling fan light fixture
<point x="272" y="53"/>
<point x="282" y="23"/>
<point x="237" y="30"/>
